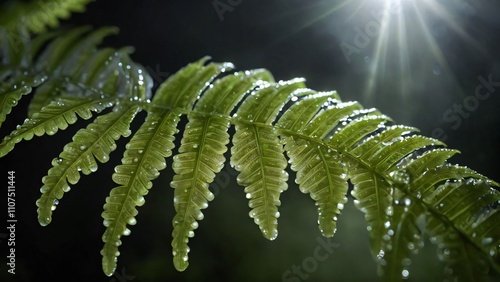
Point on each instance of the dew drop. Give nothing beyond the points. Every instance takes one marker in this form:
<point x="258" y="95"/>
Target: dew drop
<point x="82" y="147"/>
<point x="194" y="225"/>
<point x="132" y="221"/>
<point x="141" y="201"/>
<point x="389" y="211"/>
<point x="487" y="241"/>
<point x="93" y="168"/>
<point x="210" y="196"/>
<point x="405" y="273"/>
<point x="126" y="232"/>
<point x="411" y="246"/>
<point x="407" y="201"/>
<point x="493" y="252"/>
<point x="400" y="177"/>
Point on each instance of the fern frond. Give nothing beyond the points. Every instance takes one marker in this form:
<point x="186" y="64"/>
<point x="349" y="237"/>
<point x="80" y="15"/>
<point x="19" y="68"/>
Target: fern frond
<point x="400" y="178"/>
<point x="37" y="15"/>
<point x="16" y="75"/>
<point x="97" y="141"/>
<point x="74" y="64"/>
<point x="77" y="78"/>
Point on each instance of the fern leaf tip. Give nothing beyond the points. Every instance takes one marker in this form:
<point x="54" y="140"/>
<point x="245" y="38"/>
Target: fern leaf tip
<point x="271" y="234"/>
<point x="181" y="263"/>
<point x="44" y="221"/>
<point x="109" y="265"/>
<point x="44" y="213"/>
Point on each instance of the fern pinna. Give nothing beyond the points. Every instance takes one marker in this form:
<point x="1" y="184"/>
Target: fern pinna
<point x="400" y="178"/>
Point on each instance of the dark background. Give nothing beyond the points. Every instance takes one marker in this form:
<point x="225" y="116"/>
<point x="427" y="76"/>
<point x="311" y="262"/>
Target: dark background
<point x="424" y="71"/>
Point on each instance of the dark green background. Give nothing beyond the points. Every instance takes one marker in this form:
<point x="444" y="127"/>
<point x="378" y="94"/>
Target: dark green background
<point x="290" y="38"/>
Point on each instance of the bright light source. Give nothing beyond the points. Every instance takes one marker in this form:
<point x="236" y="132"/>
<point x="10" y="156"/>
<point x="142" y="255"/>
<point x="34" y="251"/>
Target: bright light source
<point x="406" y="40"/>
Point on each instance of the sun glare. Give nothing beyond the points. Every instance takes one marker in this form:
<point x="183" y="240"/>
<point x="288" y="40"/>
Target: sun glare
<point x="406" y="35"/>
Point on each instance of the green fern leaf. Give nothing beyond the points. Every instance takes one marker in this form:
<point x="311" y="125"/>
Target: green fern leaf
<point x="94" y="142"/>
<point x="74" y="62"/>
<point x="16" y="77"/>
<point x="73" y="76"/>
<point x="57" y="115"/>
<point x="258" y="154"/>
<point x="472" y="203"/>
<point x="376" y="194"/>
<point x="463" y="258"/>
<point x="142" y="161"/>
<point x="8" y="100"/>
<point x="373" y="197"/>
<point x="320" y="171"/>
<point x="321" y="175"/>
<point x="37" y="15"/>
<point x="403" y="238"/>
